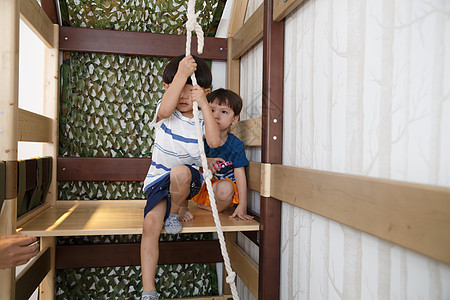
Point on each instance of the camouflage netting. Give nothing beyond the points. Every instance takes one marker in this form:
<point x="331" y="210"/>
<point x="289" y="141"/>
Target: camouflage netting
<point x="107" y="102"/>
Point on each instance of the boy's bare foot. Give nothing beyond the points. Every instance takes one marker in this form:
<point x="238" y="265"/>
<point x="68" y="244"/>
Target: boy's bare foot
<point x="184" y="214"/>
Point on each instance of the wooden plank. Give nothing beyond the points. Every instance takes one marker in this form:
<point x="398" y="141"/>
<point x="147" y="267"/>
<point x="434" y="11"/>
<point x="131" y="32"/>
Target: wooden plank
<point x="30" y="277"/>
<point x="414" y="216"/>
<point x="47" y="286"/>
<point x="102" y="168"/>
<point x="35" y="17"/>
<point x="271" y="150"/>
<point x="128" y="254"/>
<point x="104" y="217"/>
<point x="137" y="43"/>
<point x="281" y="8"/>
<point x="254" y="176"/>
<point x="248" y="131"/>
<point x="237" y="16"/>
<point x="9" y="87"/>
<point x="51" y="107"/>
<point x="233" y="65"/>
<point x="49" y="6"/>
<point x="244" y="266"/>
<point x="34" y="127"/>
<point x="249" y="34"/>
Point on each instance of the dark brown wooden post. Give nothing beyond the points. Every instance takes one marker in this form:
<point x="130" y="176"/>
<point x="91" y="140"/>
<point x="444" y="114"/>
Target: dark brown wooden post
<point x="272" y="139"/>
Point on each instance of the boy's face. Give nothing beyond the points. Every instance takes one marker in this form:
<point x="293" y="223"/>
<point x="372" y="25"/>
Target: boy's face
<point x="223" y="114"/>
<point x="185" y="105"/>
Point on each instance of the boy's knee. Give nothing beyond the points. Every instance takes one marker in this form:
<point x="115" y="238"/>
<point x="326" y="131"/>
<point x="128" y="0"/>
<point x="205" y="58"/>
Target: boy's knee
<point x="224" y="190"/>
<point x="180" y="175"/>
<point x="152" y="225"/>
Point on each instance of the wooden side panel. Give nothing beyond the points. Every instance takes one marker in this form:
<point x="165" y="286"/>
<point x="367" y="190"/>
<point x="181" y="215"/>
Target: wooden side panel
<point x="35" y="17"/>
<point x="34" y="127"/>
<point x="411" y="215"/>
<point x="248" y="131"/>
<point x="30" y="278"/>
<point x="249" y="34"/>
<point x="281" y="8"/>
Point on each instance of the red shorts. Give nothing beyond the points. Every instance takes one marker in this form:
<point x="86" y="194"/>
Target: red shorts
<point x="203" y="198"/>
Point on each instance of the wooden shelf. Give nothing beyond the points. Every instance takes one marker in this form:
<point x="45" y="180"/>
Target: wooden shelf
<point x="117" y="217"/>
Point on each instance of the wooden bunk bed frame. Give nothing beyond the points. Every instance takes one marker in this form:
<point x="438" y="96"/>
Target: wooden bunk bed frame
<point x="411" y="215"/>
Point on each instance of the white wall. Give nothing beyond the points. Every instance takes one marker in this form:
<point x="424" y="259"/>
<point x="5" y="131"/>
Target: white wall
<point x="367" y="93"/>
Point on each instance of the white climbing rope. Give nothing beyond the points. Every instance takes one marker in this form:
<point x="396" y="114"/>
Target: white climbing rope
<point x="192" y="25"/>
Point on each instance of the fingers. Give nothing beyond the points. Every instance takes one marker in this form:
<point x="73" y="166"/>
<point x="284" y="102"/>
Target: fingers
<point x="243" y="217"/>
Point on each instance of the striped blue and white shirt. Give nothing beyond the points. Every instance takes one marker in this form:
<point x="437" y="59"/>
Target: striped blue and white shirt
<point x="175" y="143"/>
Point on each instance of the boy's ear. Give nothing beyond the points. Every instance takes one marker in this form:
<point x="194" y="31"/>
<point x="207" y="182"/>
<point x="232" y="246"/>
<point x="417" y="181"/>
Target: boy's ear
<point x="207" y="91"/>
<point x="165" y="85"/>
<point x="235" y="120"/>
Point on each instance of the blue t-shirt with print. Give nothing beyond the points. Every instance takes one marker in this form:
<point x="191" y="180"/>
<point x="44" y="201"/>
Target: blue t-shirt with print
<point x="232" y="150"/>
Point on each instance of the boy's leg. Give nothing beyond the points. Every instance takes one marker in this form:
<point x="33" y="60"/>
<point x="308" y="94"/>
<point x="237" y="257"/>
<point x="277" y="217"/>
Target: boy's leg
<point x="180" y="183"/>
<point x="151" y="230"/>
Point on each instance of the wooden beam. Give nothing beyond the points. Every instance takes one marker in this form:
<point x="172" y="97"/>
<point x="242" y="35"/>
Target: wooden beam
<point x="414" y="216"/>
<point x="47" y="286"/>
<point x="254" y="176"/>
<point x="128" y="254"/>
<point x="272" y="144"/>
<point x="9" y="87"/>
<point x="35" y="17"/>
<point x="281" y="8"/>
<point x="243" y="265"/>
<point x="51" y="107"/>
<point x="249" y="34"/>
<point x="137" y="43"/>
<point x="49" y="6"/>
<point x="30" y="277"/>
<point x="248" y="131"/>
<point x="233" y="65"/>
<point x="34" y="127"/>
<point x="102" y="168"/>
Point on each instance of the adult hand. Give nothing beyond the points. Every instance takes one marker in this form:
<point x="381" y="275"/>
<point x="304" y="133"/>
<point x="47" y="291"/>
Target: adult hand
<point x="16" y="250"/>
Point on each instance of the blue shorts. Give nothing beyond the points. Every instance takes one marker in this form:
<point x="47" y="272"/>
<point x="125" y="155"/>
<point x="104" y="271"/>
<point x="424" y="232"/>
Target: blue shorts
<point x="160" y="190"/>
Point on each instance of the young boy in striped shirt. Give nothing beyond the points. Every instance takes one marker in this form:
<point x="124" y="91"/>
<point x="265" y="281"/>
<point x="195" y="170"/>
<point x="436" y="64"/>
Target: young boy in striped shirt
<point x="174" y="177"/>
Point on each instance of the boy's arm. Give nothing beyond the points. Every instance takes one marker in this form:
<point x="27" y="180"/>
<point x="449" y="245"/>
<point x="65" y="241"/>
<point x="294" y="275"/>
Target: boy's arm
<point x="212" y="131"/>
<point x="169" y="101"/>
<point x="241" y="183"/>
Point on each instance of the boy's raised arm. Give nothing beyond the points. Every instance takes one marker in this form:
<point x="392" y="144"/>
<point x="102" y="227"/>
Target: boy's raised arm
<point x="173" y="91"/>
<point x="212" y="131"/>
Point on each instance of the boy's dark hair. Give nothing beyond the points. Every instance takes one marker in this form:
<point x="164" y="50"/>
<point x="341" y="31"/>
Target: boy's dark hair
<point x="226" y="97"/>
<point x="202" y="74"/>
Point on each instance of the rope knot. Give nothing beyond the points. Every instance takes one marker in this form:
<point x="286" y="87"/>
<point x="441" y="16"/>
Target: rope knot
<point x="230" y="277"/>
<point x="207" y="174"/>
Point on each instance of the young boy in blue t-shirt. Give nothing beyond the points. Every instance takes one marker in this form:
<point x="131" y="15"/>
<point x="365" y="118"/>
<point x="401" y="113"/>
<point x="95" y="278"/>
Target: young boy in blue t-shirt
<point x="227" y="161"/>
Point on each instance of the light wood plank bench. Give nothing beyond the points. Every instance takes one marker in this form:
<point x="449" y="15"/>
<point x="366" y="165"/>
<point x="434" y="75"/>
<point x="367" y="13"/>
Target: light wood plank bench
<point x="118" y="217"/>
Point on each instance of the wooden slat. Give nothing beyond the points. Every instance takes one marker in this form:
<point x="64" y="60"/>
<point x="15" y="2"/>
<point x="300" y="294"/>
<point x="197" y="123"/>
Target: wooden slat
<point x="249" y="34"/>
<point x="104" y="217"/>
<point x="128" y="254"/>
<point x="34" y="127"/>
<point x="254" y="176"/>
<point x="102" y="169"/>
<point x="49" y="6"/>
<point x="35" y="17"/>
<point x="233" y="65"/>
<point x="30" y="277"/>
<point x="248" y="131"/>
<point x="410" y="215"/>
<point x="243" y="265"/>
<point x="137" y="43"/>
<point x="281" y="8"/>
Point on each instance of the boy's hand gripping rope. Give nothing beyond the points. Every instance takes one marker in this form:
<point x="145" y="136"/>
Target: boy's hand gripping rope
<point x="192" y="25"/>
